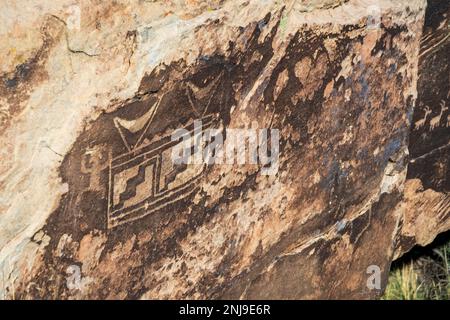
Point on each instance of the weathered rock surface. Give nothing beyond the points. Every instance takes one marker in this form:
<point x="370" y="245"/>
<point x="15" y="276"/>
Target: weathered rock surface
<point x="427" y="199"/>
<point x="87" y="110"/>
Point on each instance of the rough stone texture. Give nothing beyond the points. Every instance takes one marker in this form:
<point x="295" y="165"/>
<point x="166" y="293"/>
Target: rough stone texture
<point x="427" y="199"/>
<point x="72" y="178"/>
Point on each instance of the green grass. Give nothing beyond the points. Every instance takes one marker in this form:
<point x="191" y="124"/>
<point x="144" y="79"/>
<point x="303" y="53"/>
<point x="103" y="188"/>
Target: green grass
<point x="421" y="277"/>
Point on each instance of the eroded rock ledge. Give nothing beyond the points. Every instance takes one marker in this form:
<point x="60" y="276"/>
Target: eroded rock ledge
<point x="87" y="110"/>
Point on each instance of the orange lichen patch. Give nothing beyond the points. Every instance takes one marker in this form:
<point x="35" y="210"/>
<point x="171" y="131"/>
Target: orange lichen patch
<point x="282" y="80"/>
<point x="91" y="247"/>
<point x="328" y="89"/>
<point x="302" y="69"/>
<point x="370" y="41"/>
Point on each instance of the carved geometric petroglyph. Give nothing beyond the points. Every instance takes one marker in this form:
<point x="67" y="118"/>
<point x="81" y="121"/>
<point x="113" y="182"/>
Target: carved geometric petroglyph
<point x="195" y="93"/>
<point x="93" y="162"/>
<point x="136" y="180"/>
<point x="146" y="180"/>
<point x="136" y="126"/>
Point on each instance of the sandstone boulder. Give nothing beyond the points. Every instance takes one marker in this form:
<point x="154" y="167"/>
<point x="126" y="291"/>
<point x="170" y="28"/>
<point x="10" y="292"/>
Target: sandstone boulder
<point x="91" y="205"/>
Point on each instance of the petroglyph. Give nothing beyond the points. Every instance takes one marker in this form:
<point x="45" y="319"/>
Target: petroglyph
<point x="325" y="91"/>
<point x="420" y="123"/>
<point x="146" y="179"/>
<point x="435" y="121"/>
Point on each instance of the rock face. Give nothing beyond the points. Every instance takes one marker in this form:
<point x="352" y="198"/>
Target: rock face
<point x="92" y="205"/>
<point x="427" y="199"/>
